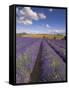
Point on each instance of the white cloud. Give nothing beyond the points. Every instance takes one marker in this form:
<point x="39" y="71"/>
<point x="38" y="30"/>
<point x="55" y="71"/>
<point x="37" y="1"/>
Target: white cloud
<point x="30" y="13"/>
<point x="26" y="15"/>
<point x="50" y="9"/>
<point x="41" y="15"/>
<point x="47" y="25"/>
<point x="24" y="21"/>
<point x="59" y="31"/>
<point x="55" y="31"/>
<point x="27" y="21"/>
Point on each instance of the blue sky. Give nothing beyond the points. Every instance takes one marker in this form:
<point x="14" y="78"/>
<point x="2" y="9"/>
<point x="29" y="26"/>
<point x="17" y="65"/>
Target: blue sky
<point x="40" y="20"/>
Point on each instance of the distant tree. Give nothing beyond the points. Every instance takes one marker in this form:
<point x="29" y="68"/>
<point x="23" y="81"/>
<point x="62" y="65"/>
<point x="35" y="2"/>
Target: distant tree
<point x="24" y="33"/>
<point x="64" y="38"/>
<point x="43" y="36"/>
<point x="54" y="37"/>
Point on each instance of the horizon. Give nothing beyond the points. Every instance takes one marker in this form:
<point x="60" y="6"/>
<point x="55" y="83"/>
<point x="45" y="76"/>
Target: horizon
<point x="43" y="33"/>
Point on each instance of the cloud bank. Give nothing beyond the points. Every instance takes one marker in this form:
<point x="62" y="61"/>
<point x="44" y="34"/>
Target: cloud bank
<point x="26" y="15"/>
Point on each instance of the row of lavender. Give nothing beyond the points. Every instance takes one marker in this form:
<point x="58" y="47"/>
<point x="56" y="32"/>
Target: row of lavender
<point x="23" y="43"/>
<point x="60" y="43"/>
<point x="52" y="66"/>
<point x="26" y="60"/>
<point x="59" y="46"/>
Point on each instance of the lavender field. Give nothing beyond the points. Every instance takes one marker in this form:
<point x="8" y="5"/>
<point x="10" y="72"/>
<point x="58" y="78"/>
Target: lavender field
<point x="40" y="60"/>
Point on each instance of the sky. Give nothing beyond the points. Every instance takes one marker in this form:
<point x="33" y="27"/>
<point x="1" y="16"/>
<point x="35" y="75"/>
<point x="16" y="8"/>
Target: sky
<point x="37" y="20"/>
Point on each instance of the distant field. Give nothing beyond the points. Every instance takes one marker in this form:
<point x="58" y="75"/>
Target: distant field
<point x="48" y="36"/>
